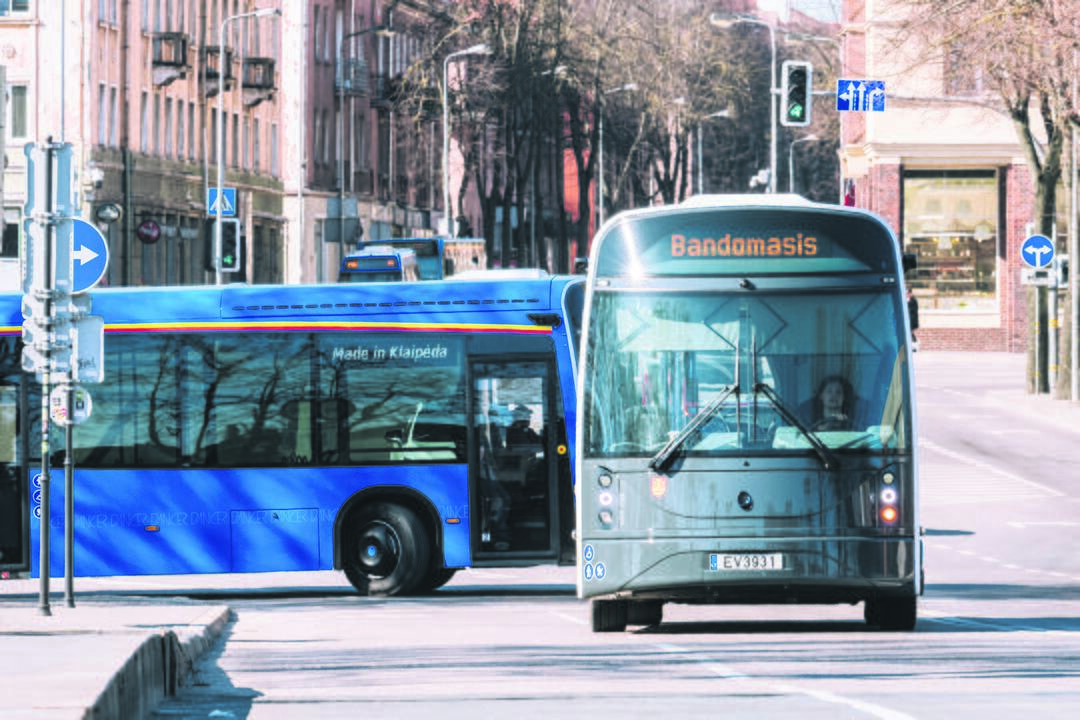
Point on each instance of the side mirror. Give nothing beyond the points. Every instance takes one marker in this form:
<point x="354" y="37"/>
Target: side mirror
<point x="909" y="261"/>
<point x="395" y="437"/>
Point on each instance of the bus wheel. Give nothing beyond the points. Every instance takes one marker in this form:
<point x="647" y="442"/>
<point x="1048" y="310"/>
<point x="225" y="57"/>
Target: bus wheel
<point x="386" y="550"/>
<point x="436" y="577"/>
<point x="645" y="612"/>
<point x="609" y="615"/>
<point x="892" y="613"/>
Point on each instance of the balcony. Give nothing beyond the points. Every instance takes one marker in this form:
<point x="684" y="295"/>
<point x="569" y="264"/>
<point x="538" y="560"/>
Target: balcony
<point x="353" y="78"/>
<point x="169" y="57"/>
<point x="257" y="80"/>
<point x="216" y="70"/>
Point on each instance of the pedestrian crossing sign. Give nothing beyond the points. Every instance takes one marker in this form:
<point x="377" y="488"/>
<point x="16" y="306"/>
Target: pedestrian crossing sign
<point x="226" y="206"/>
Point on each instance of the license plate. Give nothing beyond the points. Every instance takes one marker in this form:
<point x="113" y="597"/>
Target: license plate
<point x="728" y="562"/>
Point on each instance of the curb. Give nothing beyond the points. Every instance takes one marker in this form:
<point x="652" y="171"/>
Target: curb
<point x="161" y="664"/>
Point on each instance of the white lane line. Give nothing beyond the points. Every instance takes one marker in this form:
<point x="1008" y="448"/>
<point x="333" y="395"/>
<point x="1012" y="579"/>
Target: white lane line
<point x="987" y="467"/>
<point x="570" y="618"/>
<point x="728" y="672"/>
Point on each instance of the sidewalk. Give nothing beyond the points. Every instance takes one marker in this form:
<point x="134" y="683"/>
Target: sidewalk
<point x="108" y="657"/>
<point x="995" y="379"/>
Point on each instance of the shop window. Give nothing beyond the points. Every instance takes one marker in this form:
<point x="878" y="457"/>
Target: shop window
<point x="951" y="224"/>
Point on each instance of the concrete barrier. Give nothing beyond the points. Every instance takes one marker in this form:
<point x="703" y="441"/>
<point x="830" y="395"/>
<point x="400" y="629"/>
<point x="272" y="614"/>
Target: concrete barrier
<point x="162" y="664"/>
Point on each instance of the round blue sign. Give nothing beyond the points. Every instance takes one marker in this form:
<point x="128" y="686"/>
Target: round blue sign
<point x="1037" y="251"/>
<point x="89" y="256"/>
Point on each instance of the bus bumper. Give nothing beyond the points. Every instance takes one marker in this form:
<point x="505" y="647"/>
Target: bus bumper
<point x="846" y="570"/>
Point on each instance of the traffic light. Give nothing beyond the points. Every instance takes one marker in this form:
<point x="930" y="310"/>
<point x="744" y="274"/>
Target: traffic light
<point x="232" y="243"/>
<point x="231" y="247"/>
<point x="797" y="93"/>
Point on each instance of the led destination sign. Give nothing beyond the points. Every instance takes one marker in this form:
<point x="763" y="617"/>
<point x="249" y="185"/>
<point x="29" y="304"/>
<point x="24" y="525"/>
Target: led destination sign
<point x="717" y="241"/>
<point x="794" y="245"/>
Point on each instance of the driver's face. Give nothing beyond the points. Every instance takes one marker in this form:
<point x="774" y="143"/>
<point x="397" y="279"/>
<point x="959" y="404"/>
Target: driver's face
<point x="832" y="395"/>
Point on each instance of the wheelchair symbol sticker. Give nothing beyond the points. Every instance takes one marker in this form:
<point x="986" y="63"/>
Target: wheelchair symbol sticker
<point x="588" y="571"/>
<point x="588" y="552"/>
<point x="37" y="496"/>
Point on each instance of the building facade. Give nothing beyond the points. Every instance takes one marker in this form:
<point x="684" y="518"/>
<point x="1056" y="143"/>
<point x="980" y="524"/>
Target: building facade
<point x="294" y="102"/>
<point x="946" y="170"/>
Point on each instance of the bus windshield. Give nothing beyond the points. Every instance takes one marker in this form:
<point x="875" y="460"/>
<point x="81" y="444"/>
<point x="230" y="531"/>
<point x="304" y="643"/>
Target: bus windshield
<point x="775" y="372"/>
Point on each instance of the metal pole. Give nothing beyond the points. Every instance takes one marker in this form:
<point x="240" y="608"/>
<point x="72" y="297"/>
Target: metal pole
<point x="600" y="157"/>
<point x="69" y="494"/>
<point x="341" y="138"/>
<point x="43" y="535"/>
<point x="772" y="108"/>
<point x="218" y="151"/>
<point x="700" y="174"/>
<point x="447" y="214"/>
<point x="1074" y="258"/>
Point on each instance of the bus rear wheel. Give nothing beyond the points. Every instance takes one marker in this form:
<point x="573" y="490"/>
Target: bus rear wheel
<point x="387" y="551"/>
<point x="892" y="613"/>
<point x="609" y="615"/>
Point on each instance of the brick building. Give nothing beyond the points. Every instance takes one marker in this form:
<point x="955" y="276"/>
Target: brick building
<point x="946" y="171"/>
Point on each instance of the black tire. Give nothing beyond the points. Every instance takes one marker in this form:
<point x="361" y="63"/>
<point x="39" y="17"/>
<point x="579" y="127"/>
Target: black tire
<point x="437" y="576"/>
<point x="387" y="551"/>
<point x="645" y="612"/>
<point x="894" y="614"/>
<point x="609" y="615"/>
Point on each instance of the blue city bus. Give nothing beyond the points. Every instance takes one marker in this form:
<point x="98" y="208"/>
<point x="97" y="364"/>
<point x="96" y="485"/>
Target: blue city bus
<point x="746" y="414"/>
<point x="379" y="264"/>
<point x="430" y="253"/>
<point x="438" y="258"/>
<point x="397" y="432"/>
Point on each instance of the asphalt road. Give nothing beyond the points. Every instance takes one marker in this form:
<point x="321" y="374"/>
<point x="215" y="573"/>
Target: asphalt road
<point x="998" y="635"/>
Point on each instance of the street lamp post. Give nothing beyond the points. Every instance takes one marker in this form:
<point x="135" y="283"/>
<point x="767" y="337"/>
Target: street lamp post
<point x="631" y="86"/>
<point x="382" y="31"/>
<point x="700" y="155"/>
<point x="721" y="20"/>
<point x="481" y="49"/>
<point x="791" y="159"/>
<point x="262" y="12"/>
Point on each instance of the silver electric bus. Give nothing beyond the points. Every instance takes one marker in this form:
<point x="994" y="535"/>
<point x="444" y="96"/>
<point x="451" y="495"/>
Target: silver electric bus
<point x="746" y="419"/>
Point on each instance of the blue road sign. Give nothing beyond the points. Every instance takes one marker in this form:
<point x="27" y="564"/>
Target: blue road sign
<point x="228" y="202"/>
<point x="860" y="95"/>
<point x="1037" y="251"/>
<point x="89" y="255"/>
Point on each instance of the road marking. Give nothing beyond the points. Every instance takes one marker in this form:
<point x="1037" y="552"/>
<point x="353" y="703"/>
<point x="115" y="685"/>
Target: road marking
<point x="570" y="618"/>
<point x="972" y="480"/>
<point x="728" y="672"/>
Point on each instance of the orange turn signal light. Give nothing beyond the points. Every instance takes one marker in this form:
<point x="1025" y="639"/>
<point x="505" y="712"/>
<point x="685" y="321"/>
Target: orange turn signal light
<point x="888" y="514"/>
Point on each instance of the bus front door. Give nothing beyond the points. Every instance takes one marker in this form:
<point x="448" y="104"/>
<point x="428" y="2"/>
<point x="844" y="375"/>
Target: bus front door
<point x="512" y="467"/>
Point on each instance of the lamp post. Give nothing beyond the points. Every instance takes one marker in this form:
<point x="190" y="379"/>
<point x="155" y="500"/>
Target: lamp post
<point x="263" y="12"/>
<point x="481" y="49"/>
<point x="726" y="113"/>
<point x="381" y="31"/>
<point x="720" y="20"/>
<point x="791" y="159"/>
<point x="600" y="151"/>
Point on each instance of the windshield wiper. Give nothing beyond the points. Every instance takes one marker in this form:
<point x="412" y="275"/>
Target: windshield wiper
<point x="828" y="460"/>
<point x="662" y="459"/>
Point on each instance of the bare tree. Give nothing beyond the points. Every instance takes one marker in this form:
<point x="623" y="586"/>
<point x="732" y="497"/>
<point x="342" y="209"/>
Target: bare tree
<point x="1025" y="52"/>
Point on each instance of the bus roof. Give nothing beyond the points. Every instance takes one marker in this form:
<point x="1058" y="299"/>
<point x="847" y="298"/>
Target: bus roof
<point x="263" y="302"/>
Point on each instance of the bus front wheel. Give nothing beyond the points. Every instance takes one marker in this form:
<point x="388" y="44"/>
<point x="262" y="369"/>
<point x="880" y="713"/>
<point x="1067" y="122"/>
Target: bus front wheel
<point x="609" y="615"/>
<point x="387" y="551"/>
<point x="892" y="613"/>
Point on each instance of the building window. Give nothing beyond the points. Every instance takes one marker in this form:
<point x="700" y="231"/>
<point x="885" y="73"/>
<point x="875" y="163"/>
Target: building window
<point x="114" y="130"/>
<point x="157" y="124"/>
<point x="213" y="133"/>
<point x="180" y="128"/>
<point x="951" y="224"/>
<point x="168" y="127"/>
<point x="236" y="140"/>
<point x="273" y="150"/>
<point x="191" y="131"/>
<point x="245" y="138"/>
<point x="963" y="78"/>
<point x="145" y="15"/>
<point x="255" y="150"/>
<point x="103" y="115"/>
<point x="9" y="241"/>
<point x="9" y="7"/>
<point x="144" y="124"/>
